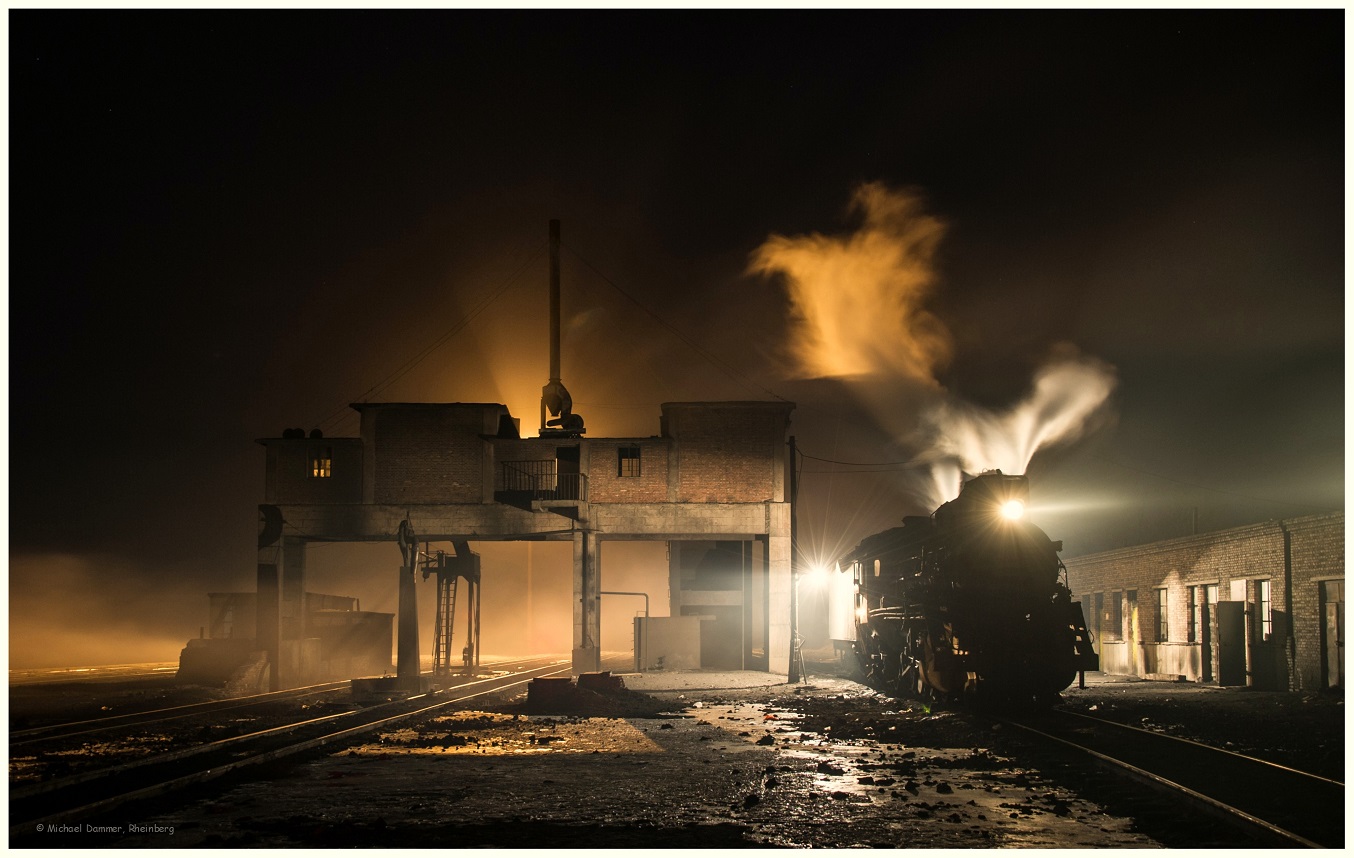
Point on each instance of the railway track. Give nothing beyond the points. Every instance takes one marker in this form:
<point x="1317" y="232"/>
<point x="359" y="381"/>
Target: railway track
<point x="85" y="795"/>
<point x="205" y="709"/>
<point x="1278" y="805"/>
<point x="102" y="673"/>
<point x="71" y="729"/>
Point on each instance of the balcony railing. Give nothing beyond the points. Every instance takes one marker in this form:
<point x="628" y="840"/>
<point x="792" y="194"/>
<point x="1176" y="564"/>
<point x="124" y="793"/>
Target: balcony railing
<point x="540" y="479"/>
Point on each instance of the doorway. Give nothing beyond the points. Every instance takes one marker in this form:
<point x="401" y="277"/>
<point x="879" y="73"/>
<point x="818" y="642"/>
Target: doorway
<point x="1333" y="634"/>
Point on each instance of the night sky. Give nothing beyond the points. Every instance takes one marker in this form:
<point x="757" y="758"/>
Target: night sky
<point x="225" y="224"/>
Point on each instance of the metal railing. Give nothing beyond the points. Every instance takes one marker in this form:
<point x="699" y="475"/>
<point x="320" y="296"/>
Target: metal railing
<point x="540" y="479"/>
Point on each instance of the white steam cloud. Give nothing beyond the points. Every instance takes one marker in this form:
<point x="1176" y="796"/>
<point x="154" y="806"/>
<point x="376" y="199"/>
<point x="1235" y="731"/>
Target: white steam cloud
<point x="858" y="313"/>
<point x="1066" y="398"/>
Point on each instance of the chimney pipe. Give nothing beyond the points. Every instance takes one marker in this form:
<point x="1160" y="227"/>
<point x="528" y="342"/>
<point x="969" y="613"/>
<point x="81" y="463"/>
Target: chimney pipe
<point x="554" y="300"/>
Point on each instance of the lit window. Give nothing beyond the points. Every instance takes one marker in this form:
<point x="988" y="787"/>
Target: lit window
<point x="627" y="461"/>
<point x="1263" y="597"/>
<point x="1163" y="617"/>
<point x="322" y="462"/>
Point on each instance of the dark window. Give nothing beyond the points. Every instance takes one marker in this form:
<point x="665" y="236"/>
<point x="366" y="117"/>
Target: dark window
<point x="1264" y="599"/>
<point x="1114" y="617"/>
<point x="1192" y="631"/>
<point x="1163" y="617"/>
<point x="1131" y="607"/>
<point x="322" y="462"/>
<point x="627" y="461"/>
<point x="1098" y="618"/>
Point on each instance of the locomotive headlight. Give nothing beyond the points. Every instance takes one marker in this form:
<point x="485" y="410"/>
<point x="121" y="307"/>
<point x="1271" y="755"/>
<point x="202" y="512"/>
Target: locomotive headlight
<point x="1013" y="510"/>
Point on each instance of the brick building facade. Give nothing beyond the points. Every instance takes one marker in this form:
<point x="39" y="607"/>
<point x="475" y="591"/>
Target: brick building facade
<point x="1260" y="605"/>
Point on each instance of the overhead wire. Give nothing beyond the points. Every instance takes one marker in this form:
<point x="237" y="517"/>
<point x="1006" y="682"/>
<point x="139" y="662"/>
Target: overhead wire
<point x="913" y="463"/>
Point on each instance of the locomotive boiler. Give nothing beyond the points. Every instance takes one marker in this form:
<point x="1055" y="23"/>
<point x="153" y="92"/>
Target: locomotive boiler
<point x="970" y="603"/>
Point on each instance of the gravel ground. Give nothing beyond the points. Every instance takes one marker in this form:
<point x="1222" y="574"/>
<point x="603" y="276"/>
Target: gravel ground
<point x="693" y="759"/>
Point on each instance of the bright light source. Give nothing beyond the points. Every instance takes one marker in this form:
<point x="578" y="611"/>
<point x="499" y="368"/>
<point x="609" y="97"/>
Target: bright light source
<point x="1013" y="509"/>
<point x="815" y="575"/>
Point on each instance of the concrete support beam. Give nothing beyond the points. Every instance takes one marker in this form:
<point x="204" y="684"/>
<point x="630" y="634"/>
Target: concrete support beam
<point x="495" y="521"/>
<point x="407" y="667"/>
<point x="778" y="622"/>
<point x="291" y="614"/>
<point x="268" y="623"/>
<point x="587" y="654"/>
<point x="293" y="607"/>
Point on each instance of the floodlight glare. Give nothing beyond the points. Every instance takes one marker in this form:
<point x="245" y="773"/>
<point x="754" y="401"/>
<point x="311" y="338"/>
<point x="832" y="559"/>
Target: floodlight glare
<point x="1013" y="509"/>
<point x="816" y="575"/>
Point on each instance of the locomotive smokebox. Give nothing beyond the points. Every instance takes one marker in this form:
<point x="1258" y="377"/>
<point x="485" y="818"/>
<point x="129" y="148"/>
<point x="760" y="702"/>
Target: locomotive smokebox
<point x="991" y="495"/>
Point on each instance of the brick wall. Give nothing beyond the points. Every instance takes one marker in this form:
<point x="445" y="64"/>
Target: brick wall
<point x="605" y="485"/>
<point x="1318" y="550"/>
<point x="728" y="452"/>
<point x="1235" y="560"/>
<point x="290" y="476"/>
<point x="430" y="453"/>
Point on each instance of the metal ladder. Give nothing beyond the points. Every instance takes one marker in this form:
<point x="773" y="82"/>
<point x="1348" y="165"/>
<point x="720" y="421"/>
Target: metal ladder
<point x="445" y="622"/>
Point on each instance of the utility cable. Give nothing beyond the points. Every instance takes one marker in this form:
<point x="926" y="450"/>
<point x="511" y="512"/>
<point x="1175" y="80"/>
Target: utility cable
<point x="909" y="463"/>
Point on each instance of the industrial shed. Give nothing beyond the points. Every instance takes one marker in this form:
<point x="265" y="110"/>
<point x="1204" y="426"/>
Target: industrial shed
<point x="1260" y="605"/>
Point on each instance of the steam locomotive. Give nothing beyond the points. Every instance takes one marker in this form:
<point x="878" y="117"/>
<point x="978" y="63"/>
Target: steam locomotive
<point x="970" y="603"/>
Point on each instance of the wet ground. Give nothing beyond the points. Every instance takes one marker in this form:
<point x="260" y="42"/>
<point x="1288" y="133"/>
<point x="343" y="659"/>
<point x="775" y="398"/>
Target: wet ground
<point x="696" y="759"/>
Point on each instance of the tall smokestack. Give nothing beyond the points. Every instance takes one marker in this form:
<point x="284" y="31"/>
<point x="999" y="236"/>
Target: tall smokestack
<point x="554" y="398"/>
<point x="554" y="301"/>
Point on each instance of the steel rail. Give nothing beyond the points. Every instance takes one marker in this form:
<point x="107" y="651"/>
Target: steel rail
<point x="203" y="775"/>
<point x="128" y="719"/>
<point x="69" y="781"/>
<point x="187" y="710"/>
<point x="28" y="792"/>
<point x="1262" y="828"/>
<point x="54" y="676"/>
<point x="1270" y="763"/>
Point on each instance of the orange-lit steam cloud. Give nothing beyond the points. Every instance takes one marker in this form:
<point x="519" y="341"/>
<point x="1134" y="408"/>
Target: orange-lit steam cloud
<point x="858" y="311"/>
<point x="858" y="300"/>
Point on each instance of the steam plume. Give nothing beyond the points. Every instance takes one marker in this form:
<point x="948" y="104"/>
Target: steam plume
<point x="858" y="313"/>
<point x="1066" y="397"/>
<point x="858" y="300"/>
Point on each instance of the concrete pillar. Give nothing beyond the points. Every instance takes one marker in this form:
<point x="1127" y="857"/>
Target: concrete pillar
<point x="407" y="667"/>
<point x="587" y="655"/>
<point x="268" y="622"/>
<point x="778" y="624"/>
<point x="778" y="585"/>
<point x="291" y="613"/>
<point x="675" y="578"/>
<point x="268" y="590"/>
